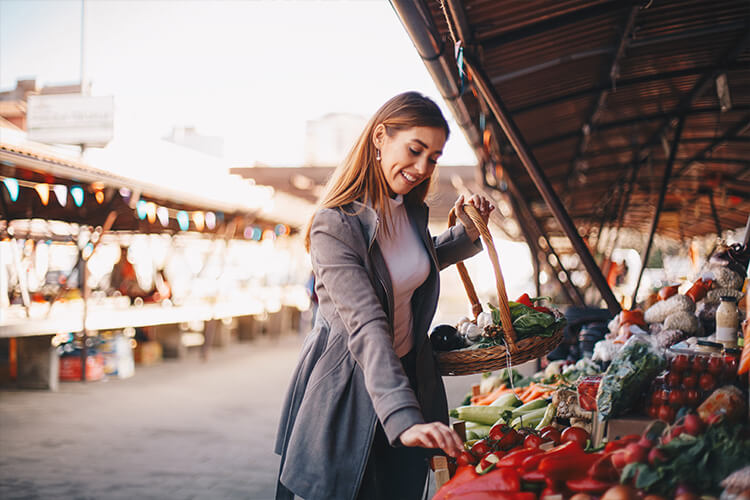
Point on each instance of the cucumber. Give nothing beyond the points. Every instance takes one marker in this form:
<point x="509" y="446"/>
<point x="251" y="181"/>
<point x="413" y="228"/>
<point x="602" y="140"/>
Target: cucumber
<point x="486" y="415"/>
<point x="529" y="419"/>
<point x="477" y="431"/>
<point x="507" y="401"/>
<point x="549" y="414"/>
<point x="530" y="406"/>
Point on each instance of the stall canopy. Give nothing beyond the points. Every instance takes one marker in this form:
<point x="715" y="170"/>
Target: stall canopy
<point x="46" y="182"/>
<point x="596" y="115"/>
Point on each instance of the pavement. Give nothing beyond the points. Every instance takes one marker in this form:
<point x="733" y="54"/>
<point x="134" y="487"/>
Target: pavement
<point x="181" y="429"/>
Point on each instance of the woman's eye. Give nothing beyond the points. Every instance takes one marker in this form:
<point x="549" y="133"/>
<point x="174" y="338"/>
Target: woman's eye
<point x="414" y="152"/>
<point x="433" y="161"/>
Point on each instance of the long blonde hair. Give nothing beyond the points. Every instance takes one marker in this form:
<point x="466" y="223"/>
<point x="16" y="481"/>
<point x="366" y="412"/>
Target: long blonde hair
<point x="360" y="176"/>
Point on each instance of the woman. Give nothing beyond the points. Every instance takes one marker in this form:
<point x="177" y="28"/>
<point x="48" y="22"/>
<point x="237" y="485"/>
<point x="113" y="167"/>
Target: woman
<point x="366" y="400"/>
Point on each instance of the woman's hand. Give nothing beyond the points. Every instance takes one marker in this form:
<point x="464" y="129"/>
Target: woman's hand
<point x="483" y="206"/>
<point x="433" y="435"/>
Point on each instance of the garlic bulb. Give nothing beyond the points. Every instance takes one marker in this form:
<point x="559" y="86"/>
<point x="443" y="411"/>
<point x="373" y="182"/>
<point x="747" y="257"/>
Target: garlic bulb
<point x="473" y="332"/>
<point x="484" y="319"/>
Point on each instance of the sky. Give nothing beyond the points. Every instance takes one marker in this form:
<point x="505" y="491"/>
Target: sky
<point x="251" y="71"/>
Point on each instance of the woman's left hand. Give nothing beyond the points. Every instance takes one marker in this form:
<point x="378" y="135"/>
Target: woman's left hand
<point x="483" y="206"/>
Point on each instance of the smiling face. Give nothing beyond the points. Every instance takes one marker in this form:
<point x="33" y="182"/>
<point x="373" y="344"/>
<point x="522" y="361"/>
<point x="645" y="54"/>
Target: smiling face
<point x="408" y="157"/>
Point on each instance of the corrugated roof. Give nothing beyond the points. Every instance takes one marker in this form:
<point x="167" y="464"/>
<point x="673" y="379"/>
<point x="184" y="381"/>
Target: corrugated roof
<point x="550" y="62"/>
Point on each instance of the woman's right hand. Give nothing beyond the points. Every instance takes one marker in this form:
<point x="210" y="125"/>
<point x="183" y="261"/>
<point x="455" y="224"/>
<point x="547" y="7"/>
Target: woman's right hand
<point x="433" y="435"/>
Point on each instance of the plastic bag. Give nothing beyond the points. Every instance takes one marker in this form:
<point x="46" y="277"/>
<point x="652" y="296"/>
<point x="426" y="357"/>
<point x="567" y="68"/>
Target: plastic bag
<point x="628" y="376"/>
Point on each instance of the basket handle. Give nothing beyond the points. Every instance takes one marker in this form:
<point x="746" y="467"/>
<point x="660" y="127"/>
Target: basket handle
<point x="502" y="295"/>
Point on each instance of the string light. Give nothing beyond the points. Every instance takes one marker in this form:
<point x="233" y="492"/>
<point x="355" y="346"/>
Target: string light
<point x="76" y="192"/>
<point x="163" y="214"/>
<point x="199" y="220"/>
<point x="151" y="212"/>
<point x="43" y="192"/>
<point x="268" y="235"/>
<point x="183" y="220"/>
<point x="210" y="220"/>
<point x="12" y="185"/>
<point x="61" y="192"/>
<point x="99" y="195"/>
<point x="140" y="209"/>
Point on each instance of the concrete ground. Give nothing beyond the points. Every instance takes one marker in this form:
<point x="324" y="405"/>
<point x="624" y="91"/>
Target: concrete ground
<point x="182" y="429"/>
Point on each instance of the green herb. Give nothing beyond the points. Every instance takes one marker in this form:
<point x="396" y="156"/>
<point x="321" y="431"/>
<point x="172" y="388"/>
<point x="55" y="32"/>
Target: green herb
<point x="528" y="322"/>
<point x="625" y="380"/>
<point x="699" y="462"/>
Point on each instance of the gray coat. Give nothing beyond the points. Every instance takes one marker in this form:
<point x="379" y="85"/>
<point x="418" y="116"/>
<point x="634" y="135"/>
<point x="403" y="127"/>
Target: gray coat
<point x="348" y="374"/>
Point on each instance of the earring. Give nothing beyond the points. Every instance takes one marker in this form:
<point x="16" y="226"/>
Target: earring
<point x="377" y="154"/>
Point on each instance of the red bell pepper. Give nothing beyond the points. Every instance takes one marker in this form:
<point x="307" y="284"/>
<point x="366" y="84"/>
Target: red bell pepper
<point x="543" y="309"/>
<point x="604" y="470"/>
<point x="589" y="485"/>
<point x="525" y="300"/>
<point x="564" y="468"/>
<point x="621" y="443"/>
<point x="515" y="458"/>
<point x="464" y="474"/>
<point x="502" y="479"/>
<point x="569" y="449"/>
<point x="495" y="495"/>
<point x="534" y="476"/>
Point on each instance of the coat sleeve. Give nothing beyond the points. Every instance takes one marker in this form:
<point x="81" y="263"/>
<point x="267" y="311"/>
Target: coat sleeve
<point x="339" y="267"/>
<point x="454" y="245"/>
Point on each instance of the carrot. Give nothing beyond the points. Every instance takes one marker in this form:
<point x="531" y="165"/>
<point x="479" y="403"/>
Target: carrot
<point x="486" y="399"/>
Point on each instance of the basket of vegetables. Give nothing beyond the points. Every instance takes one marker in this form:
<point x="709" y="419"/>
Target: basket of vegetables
<point x="509" y="334"/>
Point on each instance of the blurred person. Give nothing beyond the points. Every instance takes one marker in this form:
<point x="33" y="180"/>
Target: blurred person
<point x="366" y="406"/>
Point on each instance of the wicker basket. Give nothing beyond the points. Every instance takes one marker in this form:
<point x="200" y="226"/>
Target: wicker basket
<point x="467" y="361"/>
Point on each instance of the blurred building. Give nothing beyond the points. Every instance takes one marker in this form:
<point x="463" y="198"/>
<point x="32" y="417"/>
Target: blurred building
<point x="188" y="137"/>
<point x="13" y="102"/>
<point x="329" y="139"/>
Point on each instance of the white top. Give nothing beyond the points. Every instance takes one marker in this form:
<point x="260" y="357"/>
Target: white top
<point x="409" y="266"/>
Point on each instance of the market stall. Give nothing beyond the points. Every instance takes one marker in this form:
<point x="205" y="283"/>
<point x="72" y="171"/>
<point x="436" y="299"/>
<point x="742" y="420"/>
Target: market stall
<point x="89" y="256"/>
<point x="617" y="133"/>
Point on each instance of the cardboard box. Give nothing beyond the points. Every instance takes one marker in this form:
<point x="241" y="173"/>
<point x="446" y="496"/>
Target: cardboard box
<point x="70" y="368"/>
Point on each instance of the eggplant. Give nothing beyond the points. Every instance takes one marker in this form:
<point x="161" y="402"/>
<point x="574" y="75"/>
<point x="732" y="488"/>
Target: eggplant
<point x="446" y="338"/>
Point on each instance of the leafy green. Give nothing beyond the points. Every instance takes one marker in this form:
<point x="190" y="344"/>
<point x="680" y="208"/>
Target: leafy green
<point x="699" y="462"/>
<point x="528" y="322"/>
<point x="627" y="377"/>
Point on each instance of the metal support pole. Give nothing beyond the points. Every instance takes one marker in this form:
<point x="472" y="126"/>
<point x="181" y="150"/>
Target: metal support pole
<point x="660" y="202"/>
<point x="714" y="213"/>
<point x="536" y="173"/>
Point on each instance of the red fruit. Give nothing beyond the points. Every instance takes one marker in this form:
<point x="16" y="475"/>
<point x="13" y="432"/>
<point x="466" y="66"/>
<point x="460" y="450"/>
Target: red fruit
<point x="692" y="397"/>
<point x="715" y="365"/>
<point x="699" y="364"/>
<point x="707" y="382"/>
<point x="635" y="453"/>
<point x="618" y="459"/>
<point x="714" y="418"/>
<point x="693" y="424"/>
<point x="730" y="365"/>
<point x="498" y="431"/>
<point x="666" y="413"/>
<point x="662" y="396"/>
<point x="645" y="442"/>
<point x="689" y="380"/>
<point x="489" y="459"/>
<point x="532" y="441"/>
<point x="576" y="434"/>
<point x="551" y="434"/>
<point x="676" y="431"/>
<point x="466" y="458"/>
<point x="653" y="411"/>
<point x="680" y="363"/>
<point x="657" y="456"/>
<point x="480" y="448"/>
<point x="510" y="440"/>
<point x="677" y="398"/>
<point x="672" y="379"/>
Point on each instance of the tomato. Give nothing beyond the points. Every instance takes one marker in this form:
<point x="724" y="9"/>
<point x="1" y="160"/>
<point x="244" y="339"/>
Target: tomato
<point x="699" y="364"/>
<point x="576" y="434"/>
<point x="693" y="424"/>
<point x="689" y="380"/>
<point x="498" y="431"/>
<point x="692" y="397"/>
<point x="672" y="379"/>
<point x="466" y="458"/>
<point x="677" y="398"/>
<point x="551" y="434"/>
<point x="680" y="363"/>
<point x="532" y="441"/>
<point x="715" y="365"/>
<point x="707" y="382"/>
<point x="480" y="448"/>
<point x="666" y="413"/>
<point x="662" y="396"/>
<point x="509" y="440"/>
<point x="653" y="411"/>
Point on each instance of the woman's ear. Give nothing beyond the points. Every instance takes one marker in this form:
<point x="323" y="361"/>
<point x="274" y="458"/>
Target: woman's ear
<point x="378" y="136"/>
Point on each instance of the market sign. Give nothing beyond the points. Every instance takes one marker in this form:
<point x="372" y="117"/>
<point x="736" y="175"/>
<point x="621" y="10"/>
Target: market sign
<point x="70" y="119"/>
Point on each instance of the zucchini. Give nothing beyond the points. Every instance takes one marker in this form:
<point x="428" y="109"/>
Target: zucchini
<point x="486" y="415"/>
<point x="477" y="431"/>
<point x="549" y="414"/>
<point x="529" y="419"/>
<point x="530" y="406"/>
<point x="507" y="401"/>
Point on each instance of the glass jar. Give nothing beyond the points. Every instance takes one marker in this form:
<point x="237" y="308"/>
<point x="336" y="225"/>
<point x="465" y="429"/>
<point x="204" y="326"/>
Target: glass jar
<point x="727" y="321"/>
